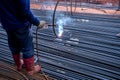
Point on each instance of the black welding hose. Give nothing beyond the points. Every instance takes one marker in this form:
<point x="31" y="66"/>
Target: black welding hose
<point x="38" y="59"/>
<point x="53" y="24"/>
<point x="53" y="18"/>
<point x="37" y="52"/>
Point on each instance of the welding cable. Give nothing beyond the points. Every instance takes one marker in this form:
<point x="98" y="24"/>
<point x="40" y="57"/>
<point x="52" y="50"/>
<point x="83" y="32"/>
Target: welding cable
<point x="53" y="18"/>
<point x="38" y="58"/>
<point x="53" y="24"/>
<point x="25" y="78"/>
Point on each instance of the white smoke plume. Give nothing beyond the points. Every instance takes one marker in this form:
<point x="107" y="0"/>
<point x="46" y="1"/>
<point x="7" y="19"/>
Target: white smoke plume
<point x="61" y="22"/>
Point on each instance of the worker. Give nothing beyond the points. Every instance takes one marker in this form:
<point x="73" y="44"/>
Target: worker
<point x="16" y="19"/>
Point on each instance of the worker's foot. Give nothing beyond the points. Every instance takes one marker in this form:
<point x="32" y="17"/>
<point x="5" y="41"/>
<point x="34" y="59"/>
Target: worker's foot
<point x="18" y="62"/>
<point x="19" y="67"/>
<point x="30" y="67"/>
<point x="118" y="34"/>
<point x="35" y="70"/>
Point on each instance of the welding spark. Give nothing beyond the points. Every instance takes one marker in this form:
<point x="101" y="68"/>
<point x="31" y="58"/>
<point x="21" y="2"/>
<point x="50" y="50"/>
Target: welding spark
<point x="61" y="22"/>
<point x="60" y="28"/>
<point x="60" y="32"/>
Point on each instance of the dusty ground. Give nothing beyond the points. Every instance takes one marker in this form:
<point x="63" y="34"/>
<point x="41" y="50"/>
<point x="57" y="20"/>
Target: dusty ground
<point x="9" y="71"/>
<point x="78" y="9"/>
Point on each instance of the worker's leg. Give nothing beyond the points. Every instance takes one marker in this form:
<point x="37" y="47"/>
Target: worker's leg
<point x="19" y="62"/>
<point x="15" y="49"/>
<point x="25" y="38"/>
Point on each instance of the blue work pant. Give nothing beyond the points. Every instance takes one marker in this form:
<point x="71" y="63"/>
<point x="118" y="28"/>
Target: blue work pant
<point x="21" y="40"/>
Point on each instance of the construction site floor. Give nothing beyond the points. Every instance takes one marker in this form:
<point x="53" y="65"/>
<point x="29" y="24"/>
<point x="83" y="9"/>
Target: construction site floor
<point x="9" y="72"/>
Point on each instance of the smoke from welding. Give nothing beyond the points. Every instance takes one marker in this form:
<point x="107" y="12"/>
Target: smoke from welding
<point x="60" y="20"/>
<point x="60" y="24"/>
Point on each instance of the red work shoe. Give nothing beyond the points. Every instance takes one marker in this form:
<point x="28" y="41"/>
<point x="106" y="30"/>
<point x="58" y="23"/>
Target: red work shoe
<point x="30" y="67"/>
<point x="18" y="61"/>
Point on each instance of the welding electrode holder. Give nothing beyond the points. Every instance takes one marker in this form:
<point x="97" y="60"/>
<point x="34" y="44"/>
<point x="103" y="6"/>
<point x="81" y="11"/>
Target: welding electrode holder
<point x="51" y="25"/>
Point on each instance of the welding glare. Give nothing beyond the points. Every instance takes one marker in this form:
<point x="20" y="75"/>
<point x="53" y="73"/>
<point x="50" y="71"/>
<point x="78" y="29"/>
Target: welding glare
<point x="60" y="23"/>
